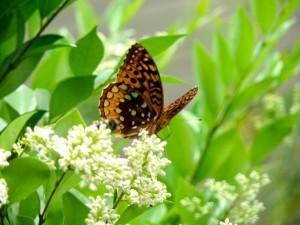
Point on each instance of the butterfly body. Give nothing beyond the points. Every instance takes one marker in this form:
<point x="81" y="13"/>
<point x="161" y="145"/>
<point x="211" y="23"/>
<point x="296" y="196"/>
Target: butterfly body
<point x="135" y="100"/>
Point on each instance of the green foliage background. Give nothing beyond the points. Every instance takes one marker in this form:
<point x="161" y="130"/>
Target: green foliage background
<point x="55" y="78"/>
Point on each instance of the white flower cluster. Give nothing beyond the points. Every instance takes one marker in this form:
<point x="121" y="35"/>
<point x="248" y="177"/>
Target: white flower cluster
<point x="100" y="213"/>
<point x="247" y="207"/>
<point x="3" y="192"/>
<point x="221" y="189"/>
<point x="239" y="202"/>
<point x="40" y="141"/>
<point x="226" y="222"/>
<point x="3" y="158"/>
<point x="296" y="99"/>
<point x="146" y="161"/>
<point x="274" y="106"/>
<point x="88" y="151"/>
<point x="196" y="206"/>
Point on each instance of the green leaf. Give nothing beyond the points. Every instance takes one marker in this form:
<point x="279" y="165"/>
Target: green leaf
<point x="75" y="211"/>
<point x="69" y="93"/>
<point x="7" y="112"/>
<point x="224" y="148"/>
<point x="69" y="181"/>
<point x="130" y="213"/>
<point x="85" y="16"/>
<point x="242" y="40"/>
<point x="183" y="159"/>
<point x="129" y="12"/>
<point x="14" y="129"/>
<point x="265" y="13"/>
<point x="71" y="119"/>
<point x="252" y="92"/>
<point x="184" y="190"/>
<point x="43" y="99"/>
<point x="8" y="25"/>
<point x="55" y="214"/>
<point x="171" y="79"/>
<point x="24" y="220"/>
<point x="24" y="176"/>
<point x="16" y="76"/>
<point x="209" y="81"/>
<point x="53" y="69"/>
<point x="33" y="24"/>
<point x="157" y="44"/>
<point x="119" y="13"/>
<point x="269" y="137"/>
<point x="23" y="99"/>
<point x="30" y="207"/>
<point x="85" y="58"/>
<point x="224" y="59"/>
<point x="48" y="6"/>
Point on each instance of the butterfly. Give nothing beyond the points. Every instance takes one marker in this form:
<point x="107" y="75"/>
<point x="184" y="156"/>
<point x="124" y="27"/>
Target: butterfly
<point x="135" y="101"/>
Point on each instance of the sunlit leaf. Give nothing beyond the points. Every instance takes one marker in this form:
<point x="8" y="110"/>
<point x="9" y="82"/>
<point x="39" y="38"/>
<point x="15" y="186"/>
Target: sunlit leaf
<point x="265" y="13"/>
<point x="85" y="16"/>
<point x="69" y="93"/>
<point x="158" y="44"/>
<point x="224" y="59"/>
<point x="22" y="100"/>
<point x="208" y="79"/>
<point x="130" y="213"/>
<point x="242" y="40"/>
<point x="14" y="129"/>
<point x="87" y="55"/>
<point x="53" y="68"/>
<point x="69" y="120"/>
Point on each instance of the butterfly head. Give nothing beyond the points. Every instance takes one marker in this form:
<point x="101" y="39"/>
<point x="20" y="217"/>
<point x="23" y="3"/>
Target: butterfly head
<point x="112" y="125"/>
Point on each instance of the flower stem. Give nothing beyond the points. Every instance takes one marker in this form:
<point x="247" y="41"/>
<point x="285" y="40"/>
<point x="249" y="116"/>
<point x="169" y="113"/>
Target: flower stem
<point x="16" y="60"/>
<point x="42" y="216"/>
<point x="118" y="200"/>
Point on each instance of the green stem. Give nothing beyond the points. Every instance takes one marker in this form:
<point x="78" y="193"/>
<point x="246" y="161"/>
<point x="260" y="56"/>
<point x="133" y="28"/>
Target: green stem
<point x="42" y="216"/>
<point x="16" y="60"/>
<point x="118" y="200"/>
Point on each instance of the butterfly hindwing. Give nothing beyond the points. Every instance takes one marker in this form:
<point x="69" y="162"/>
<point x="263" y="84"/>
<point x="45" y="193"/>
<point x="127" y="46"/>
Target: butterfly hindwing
<point x="126" y="108"/>
<point x="140" y="72"/>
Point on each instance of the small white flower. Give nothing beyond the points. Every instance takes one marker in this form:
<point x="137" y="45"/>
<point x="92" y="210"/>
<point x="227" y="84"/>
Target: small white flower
<point x="3" y="158"/>
<point x="88" y="150"/>
<point x="3" y="192"/>
<point x="146" y="191"/>
<point x="100" y="213"/>
<point x="196" y="206"/>
<point x="246" y="210"/>
<point x="39" y="141"/>
<point x="222" y="189"/>
<point x="146" y="161"/>
<point x="226" y="222"/>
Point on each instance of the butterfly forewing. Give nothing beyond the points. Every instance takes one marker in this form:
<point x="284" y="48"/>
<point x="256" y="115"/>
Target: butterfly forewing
<point x="175" y="107"/>
<point x="140" y="72"/>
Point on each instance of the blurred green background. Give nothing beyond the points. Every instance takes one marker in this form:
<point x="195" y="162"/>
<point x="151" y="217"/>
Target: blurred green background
<point x="243" y="55"/>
